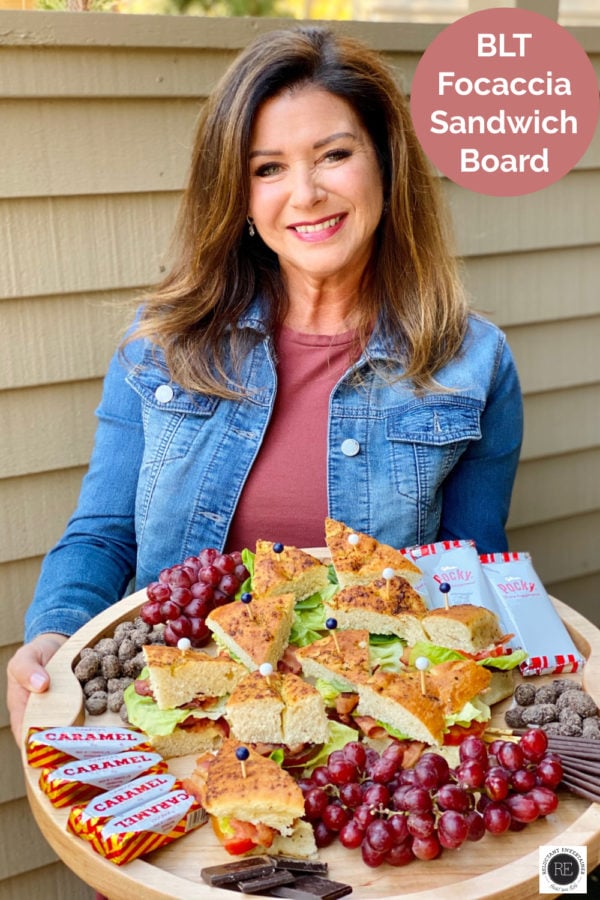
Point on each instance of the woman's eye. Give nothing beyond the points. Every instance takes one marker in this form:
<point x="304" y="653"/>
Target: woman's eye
<point x="337" y="155"/>
<point x="268" y="169"/>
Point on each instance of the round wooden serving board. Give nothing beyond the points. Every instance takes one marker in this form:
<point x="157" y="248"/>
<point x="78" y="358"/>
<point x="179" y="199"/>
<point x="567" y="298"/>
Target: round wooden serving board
<point x="504" y="866"/>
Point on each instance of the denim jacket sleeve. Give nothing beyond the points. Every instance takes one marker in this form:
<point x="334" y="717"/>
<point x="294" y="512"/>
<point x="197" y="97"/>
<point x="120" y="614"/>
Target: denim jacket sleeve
<point x="94" y="560"/>
<point x="477" y="492"/>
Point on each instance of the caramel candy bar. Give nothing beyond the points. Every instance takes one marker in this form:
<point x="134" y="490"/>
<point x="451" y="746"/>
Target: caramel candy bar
<point x="84" y="820"/>
<point x="81" y="779"/>
<point x="295" y="864"/>
<point x="58" y="745"/>
<point x="229" y="874"/>
<point x="311" y="887"/>
<point x="264" y="884"/>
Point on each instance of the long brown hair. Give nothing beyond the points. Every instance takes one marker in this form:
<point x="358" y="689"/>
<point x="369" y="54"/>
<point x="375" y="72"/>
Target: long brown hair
<point x="413" y="288"/>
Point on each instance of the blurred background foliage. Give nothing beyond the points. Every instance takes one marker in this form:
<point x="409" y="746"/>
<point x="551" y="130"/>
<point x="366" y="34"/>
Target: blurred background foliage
<point x="299" y="9"/>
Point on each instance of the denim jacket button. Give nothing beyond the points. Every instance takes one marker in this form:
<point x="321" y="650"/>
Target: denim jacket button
<point x="350" y="447"/>
<point x="164" y="393"/>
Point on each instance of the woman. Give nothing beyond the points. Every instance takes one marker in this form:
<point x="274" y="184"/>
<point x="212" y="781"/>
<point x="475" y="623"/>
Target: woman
<point x="310" y="352"/>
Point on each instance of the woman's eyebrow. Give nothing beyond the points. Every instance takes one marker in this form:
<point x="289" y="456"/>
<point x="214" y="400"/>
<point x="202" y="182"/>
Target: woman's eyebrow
<point x="316" y="146"/>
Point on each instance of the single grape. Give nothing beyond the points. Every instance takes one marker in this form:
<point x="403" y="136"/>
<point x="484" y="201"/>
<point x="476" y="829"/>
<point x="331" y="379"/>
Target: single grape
<point x="202" y="591"/>
<point x="394" y="751"/>
<point x="380" y="835"/>
<point x="523" y="780"/>
<point x="315" y="803"/>
<point x="399" y="826"/>
<point x="178" y="577"/>
<point x="400" y="854"/>
<point x="181" y="596"/>
<point x="198" y="608"/>
<point x="427" y="847"/>
<point x="341" y="770"/>
<point x="496" y="783"/>
<point x="452" y="829"/>
<point x="207" y="556"/>
<point x="158" y="591"/>
<point x="549" y="772"/>
<point x="471" y="774"/>
<point x="224" y="563"/>
<point x="181" y="626"/>
<point x="420" y="824"/>
<point x="351" y="794"/>
<point x="476" y="825"/>
<point x="510" y="756"/>
<point x="376" y="795"/>
<point x="363" y="815"/>
<point x="229" y="584"/>
<point x="416" y="799"/>
<point x="334" y="816"/>
<point x="534" y="744"/>
<point x="210" y="575"/>
<point x="200" y="633"/>
<point x="150" y="612"/>
<point x="522" y="807"/>
<point x="193" y="563"/>
<point x="351" y="835"/>
<point x="370" y="856"/>
<point x="323" y="836"/>
<point x="384" y="770"/>
<point x="453" y="797"/>
<point x="321" y="776"/>
<point x="545" y="799"/>
<point x="473" y="748"/>
<point x="169" y="610"/>
<point x="356" y="753"/>
<point x="496" y="817"/>
<point x="163" y="575"/>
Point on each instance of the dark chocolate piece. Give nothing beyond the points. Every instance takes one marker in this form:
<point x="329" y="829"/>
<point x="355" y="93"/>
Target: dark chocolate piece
<point x="234" y="872"/>
<point x="293" y="864"/>
<point x="264" y="884"/>
<point x="311" y="887"/>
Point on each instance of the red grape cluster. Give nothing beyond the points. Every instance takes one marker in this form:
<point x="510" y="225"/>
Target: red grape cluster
<point x="395" y="815"/>
<point x="184" y="594"/>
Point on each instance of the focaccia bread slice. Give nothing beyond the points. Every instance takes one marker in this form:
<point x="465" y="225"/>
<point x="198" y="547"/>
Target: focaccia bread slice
<point x="178" y="676"/>
<point x="277" y="709"/>
<point x="292" y="571"/>
<point x="343" y="658"/>
<point x="398" y="700"/>
<point x="365" y="560"/>
<point x="464" y="626"/>
<point x="261" y="792"/>
<point x="257" y="632"/>
<point x="381" y="607"/>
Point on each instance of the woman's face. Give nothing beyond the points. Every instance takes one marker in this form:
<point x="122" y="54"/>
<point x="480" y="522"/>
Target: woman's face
<point x="315" y="184"/>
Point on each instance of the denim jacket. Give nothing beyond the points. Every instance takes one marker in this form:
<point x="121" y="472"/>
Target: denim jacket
<point x="168" y="467"/>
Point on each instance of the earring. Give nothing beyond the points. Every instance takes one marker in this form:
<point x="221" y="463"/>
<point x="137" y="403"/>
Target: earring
<point x="251" y="229"/>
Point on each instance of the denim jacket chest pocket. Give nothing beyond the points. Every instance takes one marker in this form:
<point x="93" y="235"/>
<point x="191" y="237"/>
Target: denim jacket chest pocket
<point x="172" y="418"/>
<point x="426" y="439"/>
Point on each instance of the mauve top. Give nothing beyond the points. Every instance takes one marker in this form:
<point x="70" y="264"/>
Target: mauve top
<point x="285" y="496"/>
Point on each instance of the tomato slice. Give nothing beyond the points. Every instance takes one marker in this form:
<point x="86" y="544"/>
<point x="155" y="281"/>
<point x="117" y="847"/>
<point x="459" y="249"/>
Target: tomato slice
<point x="240" y="837"/>
<point x="457" y="733"/>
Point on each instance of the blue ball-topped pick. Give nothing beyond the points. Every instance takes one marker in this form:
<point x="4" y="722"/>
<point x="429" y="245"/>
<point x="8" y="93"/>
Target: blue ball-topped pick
<point x="331" y="624"/>
<point x="278" y="547"/>
<point x="246" y="597"/>
<point x="242" y="753"/>
<point x="445" y="589"/>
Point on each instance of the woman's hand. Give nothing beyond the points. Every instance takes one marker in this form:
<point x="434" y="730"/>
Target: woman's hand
<point x="26" y="673"/>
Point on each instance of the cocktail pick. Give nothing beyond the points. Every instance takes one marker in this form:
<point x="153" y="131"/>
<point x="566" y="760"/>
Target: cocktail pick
<point x="445" y="589"/>
<point x="184" y="644"/>
<point x="246" y="599"/>
<point x="388" y="574"/>
<point x="266" y="669"/>
<point x="242" y="754"/>
<point x="331" y="625"/>
<point x="422" y="664"/>
<point x="353" y="539"/>
<point x="278" y="547"/>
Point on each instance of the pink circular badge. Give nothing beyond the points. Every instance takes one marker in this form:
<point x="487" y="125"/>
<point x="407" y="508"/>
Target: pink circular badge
<point x="505" y="102"/>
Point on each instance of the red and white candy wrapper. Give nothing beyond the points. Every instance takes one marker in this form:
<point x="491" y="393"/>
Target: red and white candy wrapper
<point x="534" y="620"/>
<point x="117" y="802"/>
<point x="55" y="746"/>
<point x="81" y="779"/>
<point x="143" y="828"/>
<point x="457" y="563"/>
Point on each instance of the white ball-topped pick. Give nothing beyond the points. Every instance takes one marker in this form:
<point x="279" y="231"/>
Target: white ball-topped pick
<point x="184" y="644"/>
<point x="422" y="664"/>
<point x="353" y="539"/>
<point x="265" y="669"/>
<point x="388" y="573"/>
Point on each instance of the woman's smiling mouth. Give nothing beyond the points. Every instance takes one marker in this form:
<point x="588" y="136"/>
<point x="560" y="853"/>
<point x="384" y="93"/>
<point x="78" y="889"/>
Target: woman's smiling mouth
<point x="317" y="227"/>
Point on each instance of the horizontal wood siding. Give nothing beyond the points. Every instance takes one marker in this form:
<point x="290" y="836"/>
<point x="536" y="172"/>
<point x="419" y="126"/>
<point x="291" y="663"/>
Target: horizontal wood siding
<point x="98" y="114"/>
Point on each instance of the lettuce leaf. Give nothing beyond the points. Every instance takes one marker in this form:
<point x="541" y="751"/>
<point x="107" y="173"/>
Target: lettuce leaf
<point x="473" y="711"/>
<point x="144" y="713"/>
<point x="436" y="654"/>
